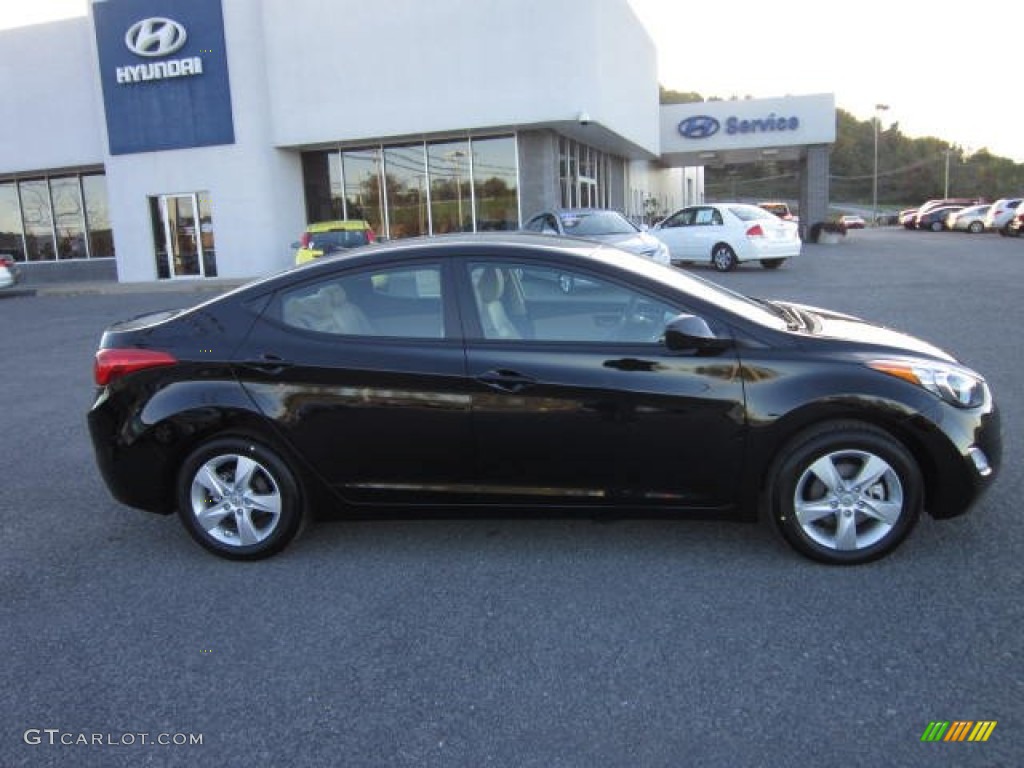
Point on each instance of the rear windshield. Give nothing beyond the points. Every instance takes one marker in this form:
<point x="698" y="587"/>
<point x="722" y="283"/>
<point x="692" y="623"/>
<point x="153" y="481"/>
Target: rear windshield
<point x="592" y="223"/>
<point x="749" y="212"/>
<point x="342" y="238"/>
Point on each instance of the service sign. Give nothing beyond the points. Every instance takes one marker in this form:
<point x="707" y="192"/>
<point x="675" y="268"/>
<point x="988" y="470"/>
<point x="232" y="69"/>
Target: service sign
<point x="164" y="70"/>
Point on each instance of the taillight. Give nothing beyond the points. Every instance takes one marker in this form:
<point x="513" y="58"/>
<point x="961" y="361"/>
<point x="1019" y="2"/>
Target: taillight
<point x="755" y="231"/>
<point x="305" y="240"/>
<point x="6" y="262"/>
<point x="114" y="363"/>
<point x="370" y="237"/>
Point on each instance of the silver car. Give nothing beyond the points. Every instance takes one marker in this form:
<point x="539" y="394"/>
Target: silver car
<point x="968" y="219"/>
<point x="605" y="226"/>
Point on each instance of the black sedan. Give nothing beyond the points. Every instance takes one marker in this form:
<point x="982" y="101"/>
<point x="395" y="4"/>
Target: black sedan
<point x="453" y="374"/>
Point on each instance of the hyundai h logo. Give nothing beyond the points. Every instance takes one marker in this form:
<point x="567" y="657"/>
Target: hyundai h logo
<point x="699" y="127"/>
<point x="155" y="37"/>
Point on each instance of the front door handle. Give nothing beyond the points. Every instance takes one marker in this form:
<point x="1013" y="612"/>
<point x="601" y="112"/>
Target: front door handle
<point x="506" y="380"/>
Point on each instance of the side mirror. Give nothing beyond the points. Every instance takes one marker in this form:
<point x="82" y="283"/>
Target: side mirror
<point x="689" y="333"/>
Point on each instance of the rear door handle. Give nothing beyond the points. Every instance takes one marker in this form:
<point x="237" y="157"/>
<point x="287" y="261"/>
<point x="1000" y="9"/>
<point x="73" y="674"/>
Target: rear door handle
<point x="506" y="380"/>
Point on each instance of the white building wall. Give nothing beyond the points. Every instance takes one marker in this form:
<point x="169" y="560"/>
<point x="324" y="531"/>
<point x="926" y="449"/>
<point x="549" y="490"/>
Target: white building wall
<point x="408" y="68"/>
<point x="52" y="117"/>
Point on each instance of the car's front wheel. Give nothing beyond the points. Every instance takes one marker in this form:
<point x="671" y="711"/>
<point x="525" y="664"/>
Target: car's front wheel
<point x="975" y="227"/>
<point x="723" y="258"/>
<point x="846" y="493"/>
<point x="239" y="499"/>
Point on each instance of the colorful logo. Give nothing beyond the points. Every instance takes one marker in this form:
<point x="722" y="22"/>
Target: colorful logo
<point x="959" y="730"/>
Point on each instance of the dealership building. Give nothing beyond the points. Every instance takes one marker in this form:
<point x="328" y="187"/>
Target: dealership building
<point x="189" y="139"/>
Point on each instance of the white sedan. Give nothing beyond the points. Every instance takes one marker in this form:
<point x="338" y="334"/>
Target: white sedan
<point x="726" y="234"/>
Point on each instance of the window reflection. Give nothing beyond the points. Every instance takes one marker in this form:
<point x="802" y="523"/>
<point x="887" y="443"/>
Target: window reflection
<point x="405" y="182"/>
<point x="495" y="183"/>
<point x="69" y="218"/>
<point x="10" y="223"/>
<point x="451" y="201"/>
<point x="97" y="216"/>
<point x="362" y="187"/>
<point x="38" y="221"/>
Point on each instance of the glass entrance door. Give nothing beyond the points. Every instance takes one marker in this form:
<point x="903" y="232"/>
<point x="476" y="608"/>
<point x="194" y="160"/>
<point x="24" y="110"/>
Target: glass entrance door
<point x="183" y="235"/>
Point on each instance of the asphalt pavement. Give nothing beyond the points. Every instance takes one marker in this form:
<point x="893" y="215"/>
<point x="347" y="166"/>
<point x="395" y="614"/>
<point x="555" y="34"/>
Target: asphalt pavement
<point x="512" y="641"/>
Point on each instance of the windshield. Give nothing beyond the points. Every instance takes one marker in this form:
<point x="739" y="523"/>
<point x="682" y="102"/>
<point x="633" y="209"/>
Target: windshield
<point x="754" y="310"/>
<point x="593" y="223"/>
<point x="338" y="238"/>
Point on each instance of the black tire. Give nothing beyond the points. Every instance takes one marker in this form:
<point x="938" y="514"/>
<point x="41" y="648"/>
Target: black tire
<point x="723" y="258"/>
<point x="252" y="517"/>
<point x="851" y="523"/>
<point x="975" y="227"/>
<point x="772" y="263"/>
<point x="936" y="226"/>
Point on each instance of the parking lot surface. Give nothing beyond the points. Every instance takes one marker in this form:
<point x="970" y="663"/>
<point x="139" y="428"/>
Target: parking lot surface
<point x="514" y="641"/>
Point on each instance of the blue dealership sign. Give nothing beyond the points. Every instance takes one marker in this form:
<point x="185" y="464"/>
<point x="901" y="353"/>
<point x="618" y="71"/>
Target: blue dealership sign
<point x="164" y="71"/>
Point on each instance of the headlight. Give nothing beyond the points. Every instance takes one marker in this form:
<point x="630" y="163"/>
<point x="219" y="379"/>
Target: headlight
<point x="956" y="385"/>
<point x="660" y="254"/>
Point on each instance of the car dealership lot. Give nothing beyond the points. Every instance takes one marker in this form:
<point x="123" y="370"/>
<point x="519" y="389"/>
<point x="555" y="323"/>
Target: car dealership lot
<point x="514" y="641"/>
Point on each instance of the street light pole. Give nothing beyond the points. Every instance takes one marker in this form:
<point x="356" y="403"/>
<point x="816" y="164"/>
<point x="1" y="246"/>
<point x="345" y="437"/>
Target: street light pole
<point x="945" y="193"/>
<point x="874" y="177"/>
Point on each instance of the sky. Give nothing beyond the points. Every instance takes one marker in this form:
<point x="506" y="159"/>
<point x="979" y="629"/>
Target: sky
<point x="946" y="72"/>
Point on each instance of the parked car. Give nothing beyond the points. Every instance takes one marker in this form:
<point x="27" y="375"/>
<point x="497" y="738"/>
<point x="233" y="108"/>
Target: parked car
<point x="727" y="234"/>
<point x="970" y="219"/>
<point x="10" y="272"/>
<point x="851" y="221"/>
<point x="328" y="236"/>
<point x="604" y="226"/>
<point x="779" y="209"/>
<point x="935" y="218"/>
<point x="1016" y="225"/>
<point x="908" y="218"/>
<point x="448" y="373"/>
<point x="1001" y="213"/>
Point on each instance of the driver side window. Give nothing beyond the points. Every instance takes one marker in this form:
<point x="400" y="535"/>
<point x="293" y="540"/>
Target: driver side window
<point x="531" y="302"/>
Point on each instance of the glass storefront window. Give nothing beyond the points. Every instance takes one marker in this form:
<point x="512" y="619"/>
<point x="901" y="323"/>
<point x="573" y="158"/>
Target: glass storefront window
<point x="406" y="185"/>
<point x="68" y="217"/>
<point x="451" y="201"/>
<point x="362" y="174"/>
<point x="97" y="216"/>
<point x="10" y="223"/>
<point x="495" y="183"/>
<point x="38" y="221"/>
<point x="463" y="185"/>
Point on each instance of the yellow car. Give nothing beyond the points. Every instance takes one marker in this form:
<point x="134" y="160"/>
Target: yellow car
<point x="327" y="236"/>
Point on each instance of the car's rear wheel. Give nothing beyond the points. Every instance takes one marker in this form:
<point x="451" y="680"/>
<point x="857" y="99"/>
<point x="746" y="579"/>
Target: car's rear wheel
<point x="239" y="499"/>
<point x="846" y="493"/>
<point x="723" y="258"/>
<point x="975" y="227"/>
<point x="936" y="226"/>
<point x="772" y="263"/>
